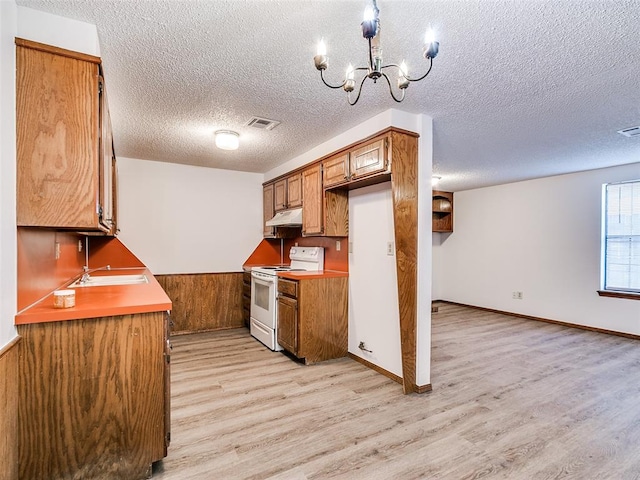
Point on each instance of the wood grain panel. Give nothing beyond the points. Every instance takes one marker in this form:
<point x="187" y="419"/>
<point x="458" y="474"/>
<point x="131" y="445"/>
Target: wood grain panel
<point x="336" y="220"/>
<point x="280" y="195"/>
<point x="312" y="211"/>
<point x="267" y="209"/>
<point x="9" y="395"/>
<point x="368" y="159"/>
<point x="204" y="301"/>
<point x="404" y="186"/>
<point x="57" y="140"/>
<point x="92" y="397"/>
<point x="294" y="190"/>
<point x="323" y="319"/>
<point x="335" y="170"/>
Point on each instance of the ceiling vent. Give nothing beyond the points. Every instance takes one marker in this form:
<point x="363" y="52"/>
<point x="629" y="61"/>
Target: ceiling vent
<point x="262" y="123"/>
<point x="630" y="132"/>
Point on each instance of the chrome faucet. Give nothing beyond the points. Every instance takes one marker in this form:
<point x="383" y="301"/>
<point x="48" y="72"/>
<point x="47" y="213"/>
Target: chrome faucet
<point x="85" y="276"/>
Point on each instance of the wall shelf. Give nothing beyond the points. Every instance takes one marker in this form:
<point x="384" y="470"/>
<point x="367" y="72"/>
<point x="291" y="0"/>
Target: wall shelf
<point x="442" y="211"/>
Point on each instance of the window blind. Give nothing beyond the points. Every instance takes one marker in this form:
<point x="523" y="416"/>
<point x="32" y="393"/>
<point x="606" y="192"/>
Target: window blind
<point x="622" y="236"/>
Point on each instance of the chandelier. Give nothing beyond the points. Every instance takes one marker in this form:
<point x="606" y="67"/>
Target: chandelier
<point x="374" y="70"/>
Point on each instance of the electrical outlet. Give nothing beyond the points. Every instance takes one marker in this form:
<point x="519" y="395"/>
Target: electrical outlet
<point x="516" y="295"/>
<point x="79" y="246"/>
<point x="350" y="247"/>
<point x="337" y="245"/>
<point x="390" y="249"/>
<point x="57" y="251"/>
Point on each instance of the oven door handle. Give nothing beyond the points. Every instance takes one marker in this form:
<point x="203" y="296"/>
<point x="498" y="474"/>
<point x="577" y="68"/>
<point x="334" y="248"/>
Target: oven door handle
<point x="263" y="279"/>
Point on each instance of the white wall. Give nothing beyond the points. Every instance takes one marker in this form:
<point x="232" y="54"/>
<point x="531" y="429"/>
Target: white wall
<point x="58" y="31"/>
<point x="186" y="219"/>
<point x="373" y="292"/>
<point x="541" y="237"/>
<point x="8" y="252"/>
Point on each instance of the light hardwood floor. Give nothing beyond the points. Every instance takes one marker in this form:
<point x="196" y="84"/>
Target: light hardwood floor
<point x="512" y="398"/>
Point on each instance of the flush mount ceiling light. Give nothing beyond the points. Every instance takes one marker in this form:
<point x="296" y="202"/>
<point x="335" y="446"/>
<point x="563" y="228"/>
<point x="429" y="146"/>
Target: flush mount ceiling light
<point x="374" y="70"/>
<point x="227" y="140"/>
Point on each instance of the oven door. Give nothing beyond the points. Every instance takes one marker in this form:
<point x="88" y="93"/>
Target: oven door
<point x="263" y="299"/>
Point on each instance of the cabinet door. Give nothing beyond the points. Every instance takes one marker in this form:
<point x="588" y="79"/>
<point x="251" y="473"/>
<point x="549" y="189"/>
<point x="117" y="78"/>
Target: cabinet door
<point x="267" y="209"/>
<point x="106" y="158"/>
<point x="57" y="108"/>
<point x="167" y="382"/>
<point x="280" y="195"/>
<point x="335" y="170"/>
<point x="288" y="324"/>
<point x="294" y="191"/>
<point x="312" y="223"/>
<point x="368" y="159"/>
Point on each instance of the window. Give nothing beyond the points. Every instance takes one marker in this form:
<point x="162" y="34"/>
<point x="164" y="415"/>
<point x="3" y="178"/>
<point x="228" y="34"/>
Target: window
<point x="621" y="243"/>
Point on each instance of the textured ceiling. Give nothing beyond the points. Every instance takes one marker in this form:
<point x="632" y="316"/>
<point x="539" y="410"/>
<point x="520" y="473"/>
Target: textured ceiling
<point x="520" y="89"/>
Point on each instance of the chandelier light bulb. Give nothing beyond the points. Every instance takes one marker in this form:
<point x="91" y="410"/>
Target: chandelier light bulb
<point x="430" y="36"/>
<point x="322" y="48"/>
<point x="369" y="14"/>
<point x="403" y="69"/>
<point x="350" y="72"/>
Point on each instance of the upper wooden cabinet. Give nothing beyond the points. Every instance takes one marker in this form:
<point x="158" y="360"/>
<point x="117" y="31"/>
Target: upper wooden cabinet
<point x="369" y="159"/>
<point x="312" y="208"/>
<point x="267" y="209"/>
<point x="64" y="145"/>
<point x="442" y="211"/>
<point x="335" y="170"/>
<point x="294" y="191"/>
<point x="288" y="192"/>
<point x="361" y="161"/>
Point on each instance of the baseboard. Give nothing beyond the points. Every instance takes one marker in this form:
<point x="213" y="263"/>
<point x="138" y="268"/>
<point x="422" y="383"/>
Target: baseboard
<point x="387" y="373"/>
<point x="548" y="320"/>
<point x="375" y="367"/>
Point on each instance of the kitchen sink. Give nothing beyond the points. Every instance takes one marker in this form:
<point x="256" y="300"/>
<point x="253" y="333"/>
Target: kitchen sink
<point x="107" y="280"/>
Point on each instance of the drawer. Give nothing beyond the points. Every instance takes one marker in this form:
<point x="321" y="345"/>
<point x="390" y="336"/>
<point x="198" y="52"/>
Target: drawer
<point x="288" y="287"/>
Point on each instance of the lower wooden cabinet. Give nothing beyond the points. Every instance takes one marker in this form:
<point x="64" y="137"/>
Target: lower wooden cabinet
<point x="246" y="298"/>
<point x="94" y="397"/>
<point x="313" y="317"/>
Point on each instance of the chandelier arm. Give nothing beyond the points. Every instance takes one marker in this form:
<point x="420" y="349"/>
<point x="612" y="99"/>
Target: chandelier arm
<point x="391" y="91"/>
<point x="328" y="85"/>
<point x="423" y="76"/>
<point x="359" y="92"/>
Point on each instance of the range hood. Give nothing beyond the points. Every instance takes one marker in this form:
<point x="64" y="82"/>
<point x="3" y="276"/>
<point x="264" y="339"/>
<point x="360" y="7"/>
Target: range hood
<point x="286" y="218"/>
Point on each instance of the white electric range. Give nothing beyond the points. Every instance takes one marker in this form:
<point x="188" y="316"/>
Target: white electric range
<point x="264" y="292"/>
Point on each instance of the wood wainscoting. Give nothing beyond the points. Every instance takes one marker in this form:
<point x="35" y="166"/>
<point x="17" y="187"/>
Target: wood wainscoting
<point x="9" y="395"/>
<point x="204" y="302"/>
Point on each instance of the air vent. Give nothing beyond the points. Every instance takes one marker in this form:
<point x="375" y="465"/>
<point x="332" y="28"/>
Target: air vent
<point x="262" y="123"/>
<point x="630" y="132"/>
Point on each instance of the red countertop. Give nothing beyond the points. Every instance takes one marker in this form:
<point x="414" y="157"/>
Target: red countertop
<point x="102" y="301"/>
<point x="308" y="275"/>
